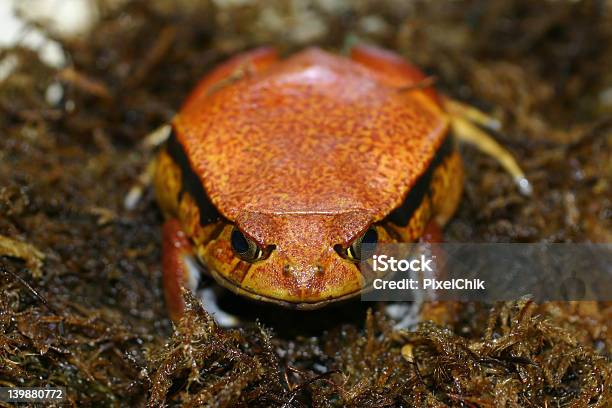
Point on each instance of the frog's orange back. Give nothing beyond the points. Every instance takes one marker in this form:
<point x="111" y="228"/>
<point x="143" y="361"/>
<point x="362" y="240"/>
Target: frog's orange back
<point x="316" y="133"/>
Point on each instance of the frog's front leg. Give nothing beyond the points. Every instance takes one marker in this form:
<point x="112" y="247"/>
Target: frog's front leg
<point x="180" y="268"/>
<point x="408" y="314"/>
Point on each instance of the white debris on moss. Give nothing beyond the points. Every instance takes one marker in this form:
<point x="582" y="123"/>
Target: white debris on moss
<point x="54" y="93"/>
<point x="292" y="23"/>
<point x="233" y="3"/>
<point x="7" y="66"/>
<point x="66" y="18"/>
<point x="14" y="30"/>
<point x="307" y="25"/>
<point x="334" y="7"/>
<point x="374" y="25"/>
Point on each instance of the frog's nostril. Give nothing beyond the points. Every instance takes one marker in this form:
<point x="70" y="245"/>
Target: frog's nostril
<point x="289" y="269"/>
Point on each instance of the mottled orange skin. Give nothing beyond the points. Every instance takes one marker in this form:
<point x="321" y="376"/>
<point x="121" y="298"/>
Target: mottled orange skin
<point x="304" y="154"/>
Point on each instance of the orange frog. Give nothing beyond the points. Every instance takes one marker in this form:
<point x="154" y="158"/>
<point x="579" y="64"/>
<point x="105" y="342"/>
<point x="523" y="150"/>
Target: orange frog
<point x="276" y="172"/>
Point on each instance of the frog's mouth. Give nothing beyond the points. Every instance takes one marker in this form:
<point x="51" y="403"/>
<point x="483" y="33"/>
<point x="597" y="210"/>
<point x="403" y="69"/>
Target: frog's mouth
<point x="298" y="305"/>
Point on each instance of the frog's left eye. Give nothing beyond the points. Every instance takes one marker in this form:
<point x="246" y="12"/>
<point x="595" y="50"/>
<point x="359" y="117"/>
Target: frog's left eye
<point x="356" y="251"/>
<point x="244" y="247"/>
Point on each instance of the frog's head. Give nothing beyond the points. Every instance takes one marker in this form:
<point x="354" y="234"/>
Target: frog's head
<point x="303" y="260"/>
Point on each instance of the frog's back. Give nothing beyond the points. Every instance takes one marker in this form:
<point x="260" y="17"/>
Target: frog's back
<point x="315" y="133"/>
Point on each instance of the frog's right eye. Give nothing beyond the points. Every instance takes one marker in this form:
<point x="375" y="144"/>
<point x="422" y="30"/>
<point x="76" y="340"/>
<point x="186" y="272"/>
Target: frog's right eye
<point x="356" y="251"/>
<point x="244" y="247"/>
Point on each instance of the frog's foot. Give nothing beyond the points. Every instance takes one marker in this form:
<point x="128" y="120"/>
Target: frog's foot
<point x="157" y="137"/>
<point x="181" y="269"/>
<point x="210" y="299"/>
<point x="144" y="180"/>
<point x="466" y="122"/>
<point x="409" y="314"/>
<point x="149" y="143"/>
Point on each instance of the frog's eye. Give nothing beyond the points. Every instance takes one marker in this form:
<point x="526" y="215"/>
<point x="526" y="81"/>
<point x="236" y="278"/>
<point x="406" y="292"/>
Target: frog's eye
<point x="244" y="247"/>
<point x="356" y="252"/>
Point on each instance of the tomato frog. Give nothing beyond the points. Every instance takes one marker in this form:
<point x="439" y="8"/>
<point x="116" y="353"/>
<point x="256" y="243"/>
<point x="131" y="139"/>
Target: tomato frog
<point x="276" y="171"/>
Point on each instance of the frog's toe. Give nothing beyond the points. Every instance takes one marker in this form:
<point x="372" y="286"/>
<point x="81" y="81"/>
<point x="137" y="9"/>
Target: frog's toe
<point x="209" y="297"/>
<point x="465" y="122"/>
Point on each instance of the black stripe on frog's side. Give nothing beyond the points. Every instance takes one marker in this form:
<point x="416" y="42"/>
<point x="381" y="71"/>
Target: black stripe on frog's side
<point x="190" y="182"/>
<point x="402" y="214"/>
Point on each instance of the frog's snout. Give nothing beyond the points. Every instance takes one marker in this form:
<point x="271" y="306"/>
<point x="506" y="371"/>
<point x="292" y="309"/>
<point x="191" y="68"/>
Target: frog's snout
<point x="307" y="281"/>
<point x="292" y="269"/>
<point x="302" y="269"/>
<point x="303" y="277"/>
